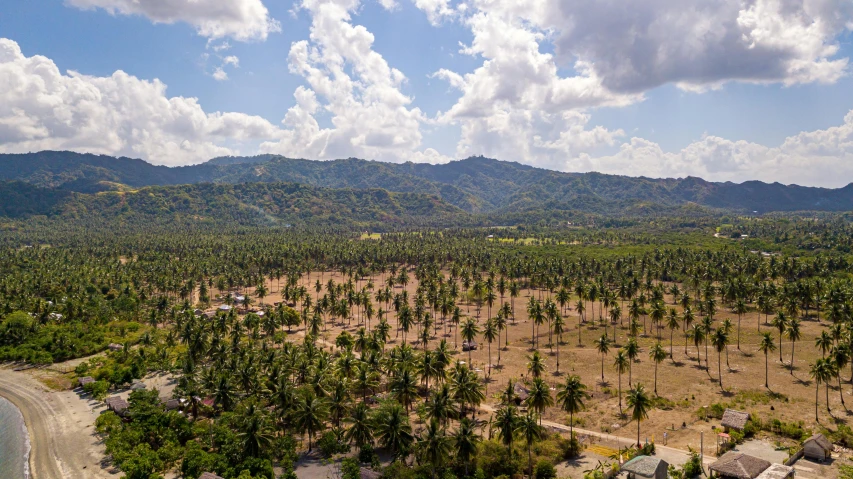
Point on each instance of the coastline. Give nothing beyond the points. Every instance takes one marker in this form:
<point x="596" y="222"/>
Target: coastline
<point x="60" y="429"/>
<point x="18" y="420"/>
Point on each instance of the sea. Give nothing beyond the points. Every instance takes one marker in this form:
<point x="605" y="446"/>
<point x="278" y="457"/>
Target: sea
<point x="14" y="443"/>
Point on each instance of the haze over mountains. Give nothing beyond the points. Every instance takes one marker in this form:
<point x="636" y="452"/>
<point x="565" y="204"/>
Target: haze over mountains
<point x="473" y="185"/>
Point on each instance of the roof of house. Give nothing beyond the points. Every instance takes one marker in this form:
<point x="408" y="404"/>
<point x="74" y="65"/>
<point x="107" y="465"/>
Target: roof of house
<point x="740" y="465"/>
<point x="171" y="404"/>
<point x="117" y="404"/>
<point x="820" y="440"/>
<point x="369" y="473"/>
<point x="734" y="419"/>
<point x="776" y="471"/>
<point x="209" y="475"/>
<point x="85" y="380"/>
<point x="645" y="466"/>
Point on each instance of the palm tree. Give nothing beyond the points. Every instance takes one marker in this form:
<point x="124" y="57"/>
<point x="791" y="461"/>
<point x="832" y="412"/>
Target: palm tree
<point x="530" y="429"/>
<point x="434" y="446"/>
<point x="839" y="356"/>
<point x="766" y="347"/>
<point x="465" y="442"/>
<point x="404" y="388"/>
<point x="640" y="404"/>
<point x="539" y="397"/>
<point x="602" y="345"/>
<point x="469" y="331"/>
<point x="394" y="430"/>
<point x="672" y="323"/>
<point x="570" y="397"/>
<point x="559" y="324"/>
<point x="657" y="354"/>
<point x="720" y="341"/>
<point x="780" y="322"/>
<point x="793" y="333"/>
<point x="621" y="364"/>
<point x="632" y="350"/>
<point x="740" y="310"/>
<point x="309" y="414"/>
<point x="821" y="372"/>
<point x="535" y="364"/>
<point x="823" y="342"/>
<point x="490" y="333"/>
<point x="254" y="432"/>
<point x="361" y="427"/>
<point x="506" y="421"/>
<point x="697" y="334"/>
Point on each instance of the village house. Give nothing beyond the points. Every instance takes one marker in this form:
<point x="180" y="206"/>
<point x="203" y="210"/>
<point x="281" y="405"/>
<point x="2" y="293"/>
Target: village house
<point x="646" y="467"/>
<point x="777" y="471"/>
<point x="117" y="405"/>
<point x="209" y="475"/>
<point x="733" y="419"/>
<point x="817" y="448"/>
<point x="736" y="465"/>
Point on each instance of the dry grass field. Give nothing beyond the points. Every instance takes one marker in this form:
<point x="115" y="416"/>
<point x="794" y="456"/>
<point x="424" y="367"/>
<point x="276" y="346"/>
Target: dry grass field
<point x="684" y="385"/>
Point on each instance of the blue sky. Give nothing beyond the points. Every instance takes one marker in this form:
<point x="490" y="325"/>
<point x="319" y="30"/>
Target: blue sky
<point x="726" y="94"/>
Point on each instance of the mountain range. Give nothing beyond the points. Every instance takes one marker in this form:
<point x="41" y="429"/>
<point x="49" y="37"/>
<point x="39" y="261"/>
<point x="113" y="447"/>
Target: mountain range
<point x="472" y="185"/>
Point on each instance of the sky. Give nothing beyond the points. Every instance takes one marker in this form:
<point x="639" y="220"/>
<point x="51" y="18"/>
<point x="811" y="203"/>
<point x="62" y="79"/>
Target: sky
<point x="727" y="90"/>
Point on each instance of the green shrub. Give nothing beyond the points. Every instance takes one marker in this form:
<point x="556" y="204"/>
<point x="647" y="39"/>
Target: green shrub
<point x="544" y="470"/>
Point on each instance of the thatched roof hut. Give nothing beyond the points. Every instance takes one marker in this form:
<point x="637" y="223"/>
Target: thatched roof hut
<point x="85" y="380"/>
<point x="209" y="475"/>
<point x="521" y="392"/>
<point x="733" y="419"/>
<point x="817" y="447"/>
<point x="117" y="405"/>
<point x="115" y="347"/>
<point x="737" y="465"/>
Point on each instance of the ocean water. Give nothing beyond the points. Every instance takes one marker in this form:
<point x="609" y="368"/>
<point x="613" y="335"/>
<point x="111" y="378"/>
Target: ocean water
<point x="14" y="443"/>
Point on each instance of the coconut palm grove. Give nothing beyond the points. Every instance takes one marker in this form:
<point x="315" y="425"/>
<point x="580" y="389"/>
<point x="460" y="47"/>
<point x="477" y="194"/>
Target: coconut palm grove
<point x="401" y="338"/>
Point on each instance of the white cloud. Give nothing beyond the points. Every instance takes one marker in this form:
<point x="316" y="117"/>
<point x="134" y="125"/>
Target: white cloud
<point x="41" y="108"/>
<point x="436" y="10"/>
<point x="241" y="20"/>
<point x="525" y="104"/>
<point x="822" y="157"/>
<point x="349" y="81"/>
<point x="219" y="74"/>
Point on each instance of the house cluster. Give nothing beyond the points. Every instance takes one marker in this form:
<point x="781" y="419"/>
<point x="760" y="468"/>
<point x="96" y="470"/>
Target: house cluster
<point x="737" y="465"/>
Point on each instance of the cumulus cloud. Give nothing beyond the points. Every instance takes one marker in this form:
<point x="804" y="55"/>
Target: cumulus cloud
<point x="529" y="105"/>
<point x="41" y="108"/>
<point x="352" y="83"/>
<point x="241" y="20"/>
<point x="822" y="157"/>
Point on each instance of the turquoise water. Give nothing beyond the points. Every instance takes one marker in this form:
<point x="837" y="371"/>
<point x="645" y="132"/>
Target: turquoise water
<point x="14" y="443"/>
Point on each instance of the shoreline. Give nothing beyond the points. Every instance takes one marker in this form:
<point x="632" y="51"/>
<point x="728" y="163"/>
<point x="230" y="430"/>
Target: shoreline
<point x="22" y="422"/>
<point x="60" y="429"/>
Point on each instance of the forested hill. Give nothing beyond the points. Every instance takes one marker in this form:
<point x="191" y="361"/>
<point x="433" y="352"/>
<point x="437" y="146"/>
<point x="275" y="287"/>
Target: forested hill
<point x="248" y="203"/>
<point x="475" y="184"/>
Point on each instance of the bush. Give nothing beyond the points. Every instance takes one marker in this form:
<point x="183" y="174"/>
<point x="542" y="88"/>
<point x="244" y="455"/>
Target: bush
<point x="330" y="444"/>
<point x="350" y="468"/>
<point x="544" y="470"/>
<point x="368" y="455"/>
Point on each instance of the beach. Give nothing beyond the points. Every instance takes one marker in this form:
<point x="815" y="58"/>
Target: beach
<point x="60" y="426"/>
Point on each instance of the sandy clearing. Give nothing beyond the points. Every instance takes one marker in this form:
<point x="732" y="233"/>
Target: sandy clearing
<point x="61" y="429"/>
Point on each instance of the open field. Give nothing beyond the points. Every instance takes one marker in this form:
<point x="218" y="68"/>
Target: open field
<point x="685" y="383"/>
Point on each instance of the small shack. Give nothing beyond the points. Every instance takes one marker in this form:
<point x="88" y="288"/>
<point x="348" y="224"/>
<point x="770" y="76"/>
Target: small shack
<point x="469" y="346"/>
<point x="115" y="347"/>
<point x="737" y="465"/>
<point x="209" y="475"/>
<point x="117" y="405"/>
<point x="777" y="471"/>
<point x="818" y="448"/>
<point x="171" y="404"/>
<point x="646" y="467"/>
<point x="82" y="382"/>
<point x="733" y="419"/>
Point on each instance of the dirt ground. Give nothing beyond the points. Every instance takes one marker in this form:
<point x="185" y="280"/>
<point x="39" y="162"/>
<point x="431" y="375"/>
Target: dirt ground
<point x="682" y="383"/>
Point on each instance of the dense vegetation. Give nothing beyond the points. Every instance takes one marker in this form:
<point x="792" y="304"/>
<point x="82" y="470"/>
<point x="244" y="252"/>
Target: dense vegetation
<point x="475" y="185"/>
<point x="256" y="396"/>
